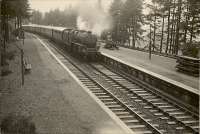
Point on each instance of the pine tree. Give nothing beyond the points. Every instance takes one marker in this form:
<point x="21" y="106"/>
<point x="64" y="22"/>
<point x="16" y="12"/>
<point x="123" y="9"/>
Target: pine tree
<point x="65" y="18"/>
<point x="194" y="24"/>
<point x="115" y="12"/>
<point x="19" y="10"/>
<point x="132" y="16"/>
<point x="12" y="9"/>
<point x="162" y="32"/>
<point x="157" y="16"/>
<point x="36" y="17"/>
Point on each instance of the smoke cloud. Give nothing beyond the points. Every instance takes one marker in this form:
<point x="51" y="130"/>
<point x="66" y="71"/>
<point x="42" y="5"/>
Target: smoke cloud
<point x="92" y="17"/>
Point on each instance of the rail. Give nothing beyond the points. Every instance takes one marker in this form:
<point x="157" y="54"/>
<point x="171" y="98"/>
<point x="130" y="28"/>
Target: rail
<point x="147" y="124"/>
<point x="187" y="96"/>
<point x="151" y="103"/>
<point x="95" y="83"/>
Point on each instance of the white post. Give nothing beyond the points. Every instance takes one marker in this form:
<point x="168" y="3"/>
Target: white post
<point x="131" y="40"/>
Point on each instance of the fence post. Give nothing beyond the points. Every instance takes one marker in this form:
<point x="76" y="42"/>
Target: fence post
<point x="22" y="65"/>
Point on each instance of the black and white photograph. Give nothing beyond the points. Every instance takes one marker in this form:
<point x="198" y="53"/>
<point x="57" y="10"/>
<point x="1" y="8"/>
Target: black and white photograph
<point x="99" y="66"/>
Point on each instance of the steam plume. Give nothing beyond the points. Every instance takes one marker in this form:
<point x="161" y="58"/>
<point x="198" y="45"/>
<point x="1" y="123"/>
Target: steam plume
<point x="92" y="18"/>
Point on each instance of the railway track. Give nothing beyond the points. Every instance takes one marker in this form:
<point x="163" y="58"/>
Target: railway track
<point x="142" y="110"/>
<point x="156" y="108"/>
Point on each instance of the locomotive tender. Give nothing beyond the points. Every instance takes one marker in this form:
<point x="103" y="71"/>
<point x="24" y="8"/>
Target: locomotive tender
<point x="81" y="43"/>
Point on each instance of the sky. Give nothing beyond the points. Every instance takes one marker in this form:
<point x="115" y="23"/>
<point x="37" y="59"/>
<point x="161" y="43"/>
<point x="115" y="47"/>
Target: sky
<point x="46" y="5"/>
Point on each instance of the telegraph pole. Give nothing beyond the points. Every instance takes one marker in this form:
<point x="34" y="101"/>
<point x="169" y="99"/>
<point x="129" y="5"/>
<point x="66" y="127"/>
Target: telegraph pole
<point x="150" y="44"/>
<point x="0" y="35"/>
<point x="22" y="65"/>
<point x="22" y="62"/>
<point x="3" y="29"/>
<point x="22" y="36"/>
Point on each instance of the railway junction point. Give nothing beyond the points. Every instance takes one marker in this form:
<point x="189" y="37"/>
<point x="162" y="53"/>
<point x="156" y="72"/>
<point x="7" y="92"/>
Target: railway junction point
<point x="54" y="100"/>
<point x="160" y="65"/>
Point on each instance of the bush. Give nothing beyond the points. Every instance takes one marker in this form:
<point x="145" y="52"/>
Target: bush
<point x="10" y="55"/>
<point x="5" y="72"/>
<point x="13" y="124"/>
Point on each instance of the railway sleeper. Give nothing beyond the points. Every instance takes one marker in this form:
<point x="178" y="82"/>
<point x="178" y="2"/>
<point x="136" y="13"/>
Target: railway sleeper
<point x="144" y="94"/>
<point x="169" y="110"/>
<point x="100" y="93"/>
<point x="135" y="89"/>
<point x="110" y="103"/>
<point x="191" y="122"/>
<point x="158" y="114"/>
<point x="153" y="110"/>
<point x="140" y="91"/>
<point x="126" y="117"/>
<point x="180" y="128"/>
<point x="143" y="132"/>
<point x="96" y="89"/>
<point x="184" y="117"/>
<point x="149" y="97"/>
<point x="176" y="113"/>
<point x="195" y="127"/>
<point x="85" y="81"/>
<point x="160" y="103"/>
<point x="164" y="118"/>
<point x="114" y="106"/>
<point x="168" y="106"/>
<point x="104" y="96"/>
<point x="118" y="109"/>
<point x="171" y="122"/>
<point x="130" y="122"/>
<point x="91" y="86"/>
<point x="118" y="113"/>
<point x="107" y="99"/>
<point x="148" y="107"/>
<point x="137" y="127"/>
<point x="152" y="100"/>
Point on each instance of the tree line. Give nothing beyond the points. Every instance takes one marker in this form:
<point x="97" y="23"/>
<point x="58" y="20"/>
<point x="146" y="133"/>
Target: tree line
<point x="15" y="11"/>
<point x="56" y="17"/>
<point x="170" y="25"/>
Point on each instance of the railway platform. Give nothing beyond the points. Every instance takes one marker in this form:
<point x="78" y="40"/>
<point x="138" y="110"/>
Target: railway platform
<point x="163" y="66"/>
<point x="55" y="101"/>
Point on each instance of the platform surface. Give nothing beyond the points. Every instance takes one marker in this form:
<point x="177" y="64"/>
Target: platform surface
<point x="56" y="103"/>
<point x="158" y="64"/>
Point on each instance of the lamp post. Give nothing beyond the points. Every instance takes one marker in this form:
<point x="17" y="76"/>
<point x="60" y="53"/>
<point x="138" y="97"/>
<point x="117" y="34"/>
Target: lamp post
<point x="0" y="36"/>
<point x="0" y="19"/>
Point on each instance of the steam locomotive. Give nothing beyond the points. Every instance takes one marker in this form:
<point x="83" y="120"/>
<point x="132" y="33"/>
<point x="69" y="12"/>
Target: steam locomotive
<point x="79" y="42"/>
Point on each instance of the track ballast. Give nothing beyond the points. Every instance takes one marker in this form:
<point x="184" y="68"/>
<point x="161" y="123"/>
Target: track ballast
<point x="142" y="110"/>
